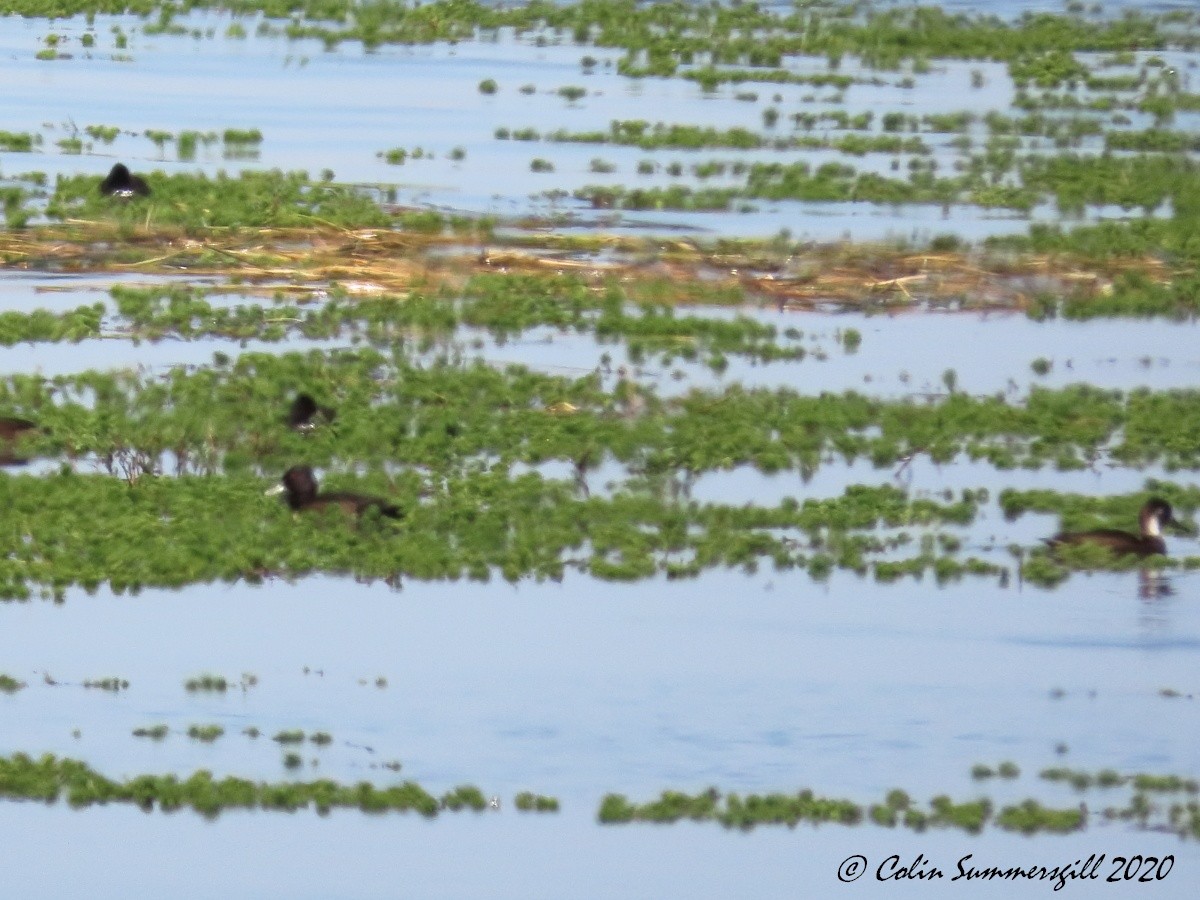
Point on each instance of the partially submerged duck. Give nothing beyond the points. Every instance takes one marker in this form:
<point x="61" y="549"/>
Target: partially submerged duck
<point x="120" y="182"/>
<point x="10" y="432"/>
<point x="305" y="414"/>
<point x="1154" y="515"/>
<point x="300" y="487"/>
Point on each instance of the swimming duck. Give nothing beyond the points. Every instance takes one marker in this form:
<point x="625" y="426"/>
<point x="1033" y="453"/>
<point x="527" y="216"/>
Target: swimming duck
<point x="1155" y="514"/>
<point x="304" y="411"/>
<point x="300" y="486"/>
<point x="10" y="431"/>
<point x="120" y="182"/>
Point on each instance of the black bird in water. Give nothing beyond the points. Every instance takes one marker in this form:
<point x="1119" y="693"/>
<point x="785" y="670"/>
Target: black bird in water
<point x="10" y="432"/>
<point x="1155" y="514"/>
<point x="300" y="487"/>
<point x="304" y="413"/>
<point x="120" y="182"/>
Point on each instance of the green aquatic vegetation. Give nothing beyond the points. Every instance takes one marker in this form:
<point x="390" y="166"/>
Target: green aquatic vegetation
<point x="320" y="738"/>
<point x="733" y="811"/>
<point x="154" y="732"/>
<point x="197" y="202"/>
<point x="711" y="78"/>
<point x="1154" y="140"/>
<point x="10" y="685"/>
<point x="676" y="197"/>
<point x="640" y="133"/>
<point x="289" y="737"/>
<point x="292" y="760"/>
<point x="484" y="521"/>
<point x="242" y="136"/>
<point x="1130" y="294"/>
<point x="1030" y="817"/>
<point x="488" y="86"/>
<point x="18" y="141"/>
<point x="206" y="682"/>
<point x="483" y="524"/>
<point x="1046" y="70"/>
<point x="48" y="778"/>
<point x="103" y="133"/>
<point x="205" y="733"/>
<point x="463" y="796"/>
<point x="75" y="325"/>
<point x="659" y="39"/>
<point x="114" y="685"/>
<point x="1165" y="784"/>
<point x="527" y="801"/>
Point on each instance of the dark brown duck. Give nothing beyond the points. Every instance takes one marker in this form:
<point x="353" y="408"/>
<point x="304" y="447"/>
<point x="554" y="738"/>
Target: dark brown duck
<point x="299" y="486"/>
<point x="1153" y="516"/>
<point x="120" y="182"/>
<point x="10" y="432"/>
<point x="304" y="413"/>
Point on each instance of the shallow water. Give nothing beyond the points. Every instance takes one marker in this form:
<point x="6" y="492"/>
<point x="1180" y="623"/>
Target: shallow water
<point x="579" y="689"/>
<point x="901" y="354"/>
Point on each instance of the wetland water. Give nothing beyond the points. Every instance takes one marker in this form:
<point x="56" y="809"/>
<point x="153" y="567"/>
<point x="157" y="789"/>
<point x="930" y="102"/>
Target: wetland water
<point x="748" y="679"/>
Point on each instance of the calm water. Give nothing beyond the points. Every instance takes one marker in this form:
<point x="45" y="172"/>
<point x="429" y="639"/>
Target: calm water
<point x="763" y="682"/>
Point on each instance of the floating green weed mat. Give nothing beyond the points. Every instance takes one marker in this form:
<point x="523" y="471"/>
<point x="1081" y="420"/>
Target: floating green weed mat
<point x="180" y="531"/>
<point x="454" y="417"/>
<point x="746" y="813"/>
<point x="527" y="801"/>
<point x="50" y="778"/>
<point x="659" y="39"/>
<point x="196" y="202"/>
<point x="972" y="816"/>
<point x="503" y="304"/>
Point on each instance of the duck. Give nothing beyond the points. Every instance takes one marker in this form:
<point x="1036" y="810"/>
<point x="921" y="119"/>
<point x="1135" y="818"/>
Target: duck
<point x="120" y="182"/>
<point x="1153" y="515"/>
<point x="304" y="412"/>
<point x="299" y="484"/>
<point x="10" y="432"/>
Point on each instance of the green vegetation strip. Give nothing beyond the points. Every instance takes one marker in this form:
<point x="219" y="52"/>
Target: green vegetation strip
<point x="663" y="39"/>
<point x="504" y="305"/>
<point x="50" y="778"/>
<point x="897" y="809"/>
<point x="451" y="417"/>
<point x="179" y="531"/>
<point x="736" y="811"/>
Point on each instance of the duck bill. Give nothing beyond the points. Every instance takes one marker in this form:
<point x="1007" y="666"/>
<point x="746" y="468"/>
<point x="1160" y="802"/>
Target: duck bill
<point x="274" y="491"/>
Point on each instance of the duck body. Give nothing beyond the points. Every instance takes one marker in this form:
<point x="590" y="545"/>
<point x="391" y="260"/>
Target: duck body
<point x="10" y="431"/>
<point x="299" y="485"/>
<point x="1154" y="514"/>
<point x="304" y="413"/>
<point x="120" y="182"/>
